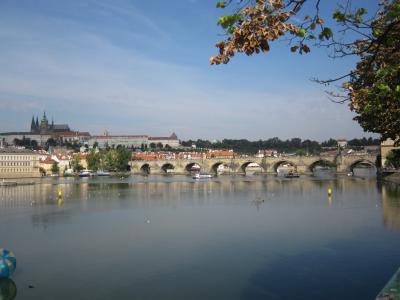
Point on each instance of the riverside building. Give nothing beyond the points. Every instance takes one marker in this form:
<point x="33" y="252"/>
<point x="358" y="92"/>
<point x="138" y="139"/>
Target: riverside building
<point x="18" y="163"/>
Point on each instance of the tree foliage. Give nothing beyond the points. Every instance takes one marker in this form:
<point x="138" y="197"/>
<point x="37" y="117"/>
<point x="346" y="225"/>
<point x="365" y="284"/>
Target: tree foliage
<point x="293" y="145"/>
<point x="372" y="89"/>
<point x="393" y="159"/>
<point x="76" y="163"/>
<point x="109" y="159"/>
<point x="93" y="160"/>
<point x="26" y="142"/>
<point x="55" y="168"/>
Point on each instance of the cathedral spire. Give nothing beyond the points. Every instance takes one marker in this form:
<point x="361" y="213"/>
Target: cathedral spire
<point x="44" y="116"/>
<point x="33" y="124"/>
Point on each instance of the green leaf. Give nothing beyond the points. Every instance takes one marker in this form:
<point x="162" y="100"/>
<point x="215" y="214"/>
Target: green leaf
<point x="301" y="32"/>
<point x="326" y="33"/>
<point x="229" y="20"/>
<point x="339" y="16"/>
<point x="221" y="4"/>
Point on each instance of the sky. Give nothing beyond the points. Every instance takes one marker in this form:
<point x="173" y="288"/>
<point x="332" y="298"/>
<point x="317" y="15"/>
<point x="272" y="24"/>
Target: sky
<point x="142" y="67"/>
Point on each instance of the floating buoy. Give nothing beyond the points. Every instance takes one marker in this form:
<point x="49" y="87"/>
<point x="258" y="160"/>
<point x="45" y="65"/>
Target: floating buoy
<point x="8" y="289"/>
<point x="8" y="263"/>
<point x="59" y="193"/>
<point x="329" y="191"/>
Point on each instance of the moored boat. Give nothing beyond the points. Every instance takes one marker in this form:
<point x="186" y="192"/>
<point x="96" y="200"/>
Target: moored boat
<point x="201" y="176"/>
<point x="102" y="173"/>
<point x="85" y="173"/>
<point x="292" y="175"/>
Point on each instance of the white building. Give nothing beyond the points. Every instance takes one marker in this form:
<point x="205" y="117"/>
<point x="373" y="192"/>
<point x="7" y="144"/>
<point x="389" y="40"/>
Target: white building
<point x="132" y="141"/>
<point x="168" y="141"/>
<point x="18" y="163"/>
<point x="129" y="141"/>
<point x="342" y="143"/>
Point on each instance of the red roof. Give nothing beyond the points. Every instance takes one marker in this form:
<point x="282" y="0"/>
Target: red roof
<point x="118" y="136"/>
<point x="72" y="133"/>
<point x="47" y="160"/>
<point x="162" y="138"/>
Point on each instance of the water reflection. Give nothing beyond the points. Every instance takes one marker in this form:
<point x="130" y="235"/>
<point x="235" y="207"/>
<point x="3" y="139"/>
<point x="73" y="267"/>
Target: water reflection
<point x="365" y="172"/>
<point x="391" y="206"/>
<point x="8" y="289"/>
<point x="111" y="194"/>
<point x="237" y="238"/>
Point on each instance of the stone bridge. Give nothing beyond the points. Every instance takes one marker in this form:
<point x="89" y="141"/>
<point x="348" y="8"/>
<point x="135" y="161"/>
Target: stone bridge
<point x="268" y="165"/>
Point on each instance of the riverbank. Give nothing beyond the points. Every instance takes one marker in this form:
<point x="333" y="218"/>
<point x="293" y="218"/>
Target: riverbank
<point x="393" y="178"/>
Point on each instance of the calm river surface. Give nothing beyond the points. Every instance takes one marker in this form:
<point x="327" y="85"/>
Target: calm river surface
<point x="226" y="238"/>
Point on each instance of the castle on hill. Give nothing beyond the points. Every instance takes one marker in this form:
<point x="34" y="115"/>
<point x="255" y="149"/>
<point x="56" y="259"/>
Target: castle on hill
<point x="45" y="128"/>
<point x="42" y="131"/>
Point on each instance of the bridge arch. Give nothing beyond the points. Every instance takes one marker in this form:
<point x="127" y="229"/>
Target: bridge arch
<point x="362" y="162"/>
<point x="145" y="169"/>
<point x="282" y="163"/>
<point x="322" y="163"/>
<point x="167" y="168"/>
<point x="248" y="164"/>
<point x="193" y="167"/>
<point x="215" y="168"/>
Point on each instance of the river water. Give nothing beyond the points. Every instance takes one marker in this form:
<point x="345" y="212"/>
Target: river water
<point x="252" y="237"/>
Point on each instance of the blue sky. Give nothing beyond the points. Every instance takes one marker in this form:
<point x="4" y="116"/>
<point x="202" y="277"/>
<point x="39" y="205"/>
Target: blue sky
<point x="141" y="67"/>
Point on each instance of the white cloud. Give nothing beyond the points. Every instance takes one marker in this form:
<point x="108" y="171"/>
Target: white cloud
<point x="96" y="84"/>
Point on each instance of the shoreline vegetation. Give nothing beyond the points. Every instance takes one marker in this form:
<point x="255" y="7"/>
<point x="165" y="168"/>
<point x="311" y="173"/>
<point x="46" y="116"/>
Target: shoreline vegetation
<point x="393" y="178"/>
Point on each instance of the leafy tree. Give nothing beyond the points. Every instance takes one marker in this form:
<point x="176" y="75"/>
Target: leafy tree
<point x="152" y="145"/>
<point x="329" y="143"/>
<point x="26" y="142"/>
<point x="372" y="89"/>
<point x="76" y="163"/>
<point x="160" y="145"/>
<point x="116" y="159"/>
<point x="393" y="159"/>
<point x="301" y="152"/>
<point x="93" y="160"/>
<point x="123" y="156"/>
<point x="51" y="142"/>
<point x="54" y="168"/>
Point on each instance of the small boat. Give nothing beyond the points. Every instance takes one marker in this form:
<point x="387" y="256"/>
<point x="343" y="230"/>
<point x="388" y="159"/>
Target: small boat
<point x="201" y="176"/>
<point x="292" y="175"/>
<point x="103" y="173"/>
<point x="85" y="173"/>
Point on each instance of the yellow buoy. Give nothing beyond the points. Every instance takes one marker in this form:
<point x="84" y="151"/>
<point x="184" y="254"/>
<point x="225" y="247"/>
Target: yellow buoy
<point x="329" y="191"/>
<point x="59" y="193"/>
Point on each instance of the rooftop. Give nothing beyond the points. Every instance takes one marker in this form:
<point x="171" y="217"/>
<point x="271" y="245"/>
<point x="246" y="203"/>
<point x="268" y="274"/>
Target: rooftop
<point x="16" y="151"/>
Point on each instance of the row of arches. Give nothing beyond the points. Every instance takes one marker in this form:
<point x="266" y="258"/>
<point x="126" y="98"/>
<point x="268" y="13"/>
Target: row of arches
<point x="253" y="167"/>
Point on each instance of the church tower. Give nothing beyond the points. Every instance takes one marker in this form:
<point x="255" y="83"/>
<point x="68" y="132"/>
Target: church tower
<point x="44" y="124"/>
<point x="33" y="125"/>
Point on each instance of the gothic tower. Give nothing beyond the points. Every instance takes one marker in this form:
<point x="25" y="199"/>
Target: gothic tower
<point x="33" y="125"/>
<point x="44" y="124"/>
